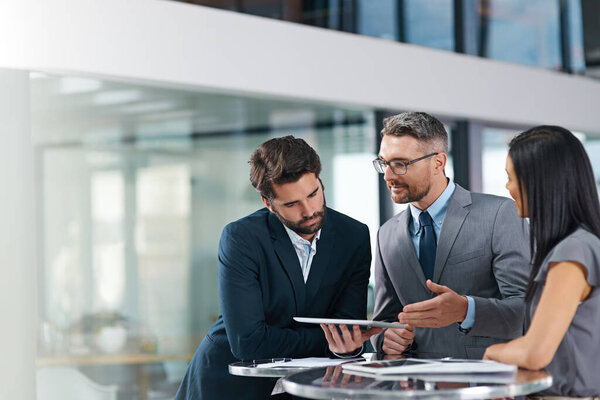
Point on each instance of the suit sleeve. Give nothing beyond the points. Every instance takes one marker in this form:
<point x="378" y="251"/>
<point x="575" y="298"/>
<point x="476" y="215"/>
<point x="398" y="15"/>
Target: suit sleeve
<point x="503" y="318"/>
<point x="249" y="335"/>
<point x="387" y="303"/>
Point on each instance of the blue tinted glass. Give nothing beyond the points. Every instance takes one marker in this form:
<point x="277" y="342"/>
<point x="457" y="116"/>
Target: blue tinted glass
<point x="524" y="32"/>
<point x="429" y="23"/>
<point x="575" y="32"/>
<point x="378" y="18"/>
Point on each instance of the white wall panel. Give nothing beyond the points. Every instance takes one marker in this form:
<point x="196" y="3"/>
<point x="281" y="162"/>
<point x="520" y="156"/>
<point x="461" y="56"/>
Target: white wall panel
<point x="18" y="240"/>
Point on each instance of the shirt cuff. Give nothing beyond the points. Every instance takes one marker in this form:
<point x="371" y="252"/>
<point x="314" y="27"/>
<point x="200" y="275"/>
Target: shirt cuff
<point x="469" y="321"/>
<point x="355" y="353"/>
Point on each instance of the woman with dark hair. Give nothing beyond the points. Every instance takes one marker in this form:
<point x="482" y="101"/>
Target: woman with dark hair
<point x="551" y="180"/>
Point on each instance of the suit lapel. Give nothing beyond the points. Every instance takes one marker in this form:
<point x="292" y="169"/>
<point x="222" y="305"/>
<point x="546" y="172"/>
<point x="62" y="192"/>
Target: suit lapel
<point x="453" y="221"/>
<point x="289" y="260"/>
<point x="320" y="263"/>
<point x="404" y="251"/>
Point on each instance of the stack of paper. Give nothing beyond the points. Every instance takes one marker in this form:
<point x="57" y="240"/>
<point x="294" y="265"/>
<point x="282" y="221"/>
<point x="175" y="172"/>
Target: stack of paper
<point x="445" y="368"/>
<point x="311" y="362"/>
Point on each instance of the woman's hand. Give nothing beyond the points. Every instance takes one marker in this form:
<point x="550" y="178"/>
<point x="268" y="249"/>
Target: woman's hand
<point x="494" y="352"/>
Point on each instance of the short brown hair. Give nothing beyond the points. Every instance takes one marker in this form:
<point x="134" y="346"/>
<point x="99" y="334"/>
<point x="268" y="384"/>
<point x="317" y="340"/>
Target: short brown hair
<point x="422" y="126"/>
<point x="281" y="160"/>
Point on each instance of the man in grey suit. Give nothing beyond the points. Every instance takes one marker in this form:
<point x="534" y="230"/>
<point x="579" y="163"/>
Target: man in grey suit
<point x="454" y="264"/>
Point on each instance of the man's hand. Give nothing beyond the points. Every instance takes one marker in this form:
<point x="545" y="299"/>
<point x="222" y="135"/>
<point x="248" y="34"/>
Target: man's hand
<point x="348" y="341"/>
<point x="444" y="309"/>
<point x="395" y="341"/>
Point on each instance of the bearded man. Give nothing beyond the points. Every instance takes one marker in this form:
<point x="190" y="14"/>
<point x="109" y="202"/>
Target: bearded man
<point x="454" y="264"/>
<point x="296" y="257"/>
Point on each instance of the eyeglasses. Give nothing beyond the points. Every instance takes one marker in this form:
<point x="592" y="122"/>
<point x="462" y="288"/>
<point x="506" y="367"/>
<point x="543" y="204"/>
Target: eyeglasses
<point x="398" y="167"/>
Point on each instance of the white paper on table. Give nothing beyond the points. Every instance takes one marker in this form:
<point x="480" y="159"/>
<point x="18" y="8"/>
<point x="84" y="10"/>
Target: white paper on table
<point x="453" y="366"/>
<point x="491" y="377"/>
<point x="310" y="362"/>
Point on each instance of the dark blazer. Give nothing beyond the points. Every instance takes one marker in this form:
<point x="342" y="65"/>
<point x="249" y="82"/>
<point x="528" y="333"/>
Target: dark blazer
<point x="483" y="252"/>
<point x="261" y="289"/>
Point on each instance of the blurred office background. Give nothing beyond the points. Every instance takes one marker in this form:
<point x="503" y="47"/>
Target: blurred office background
<point x="128" y="126"/>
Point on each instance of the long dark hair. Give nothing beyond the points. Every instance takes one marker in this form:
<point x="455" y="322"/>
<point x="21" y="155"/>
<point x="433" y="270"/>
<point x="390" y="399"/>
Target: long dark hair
<point x="557" y="183"/>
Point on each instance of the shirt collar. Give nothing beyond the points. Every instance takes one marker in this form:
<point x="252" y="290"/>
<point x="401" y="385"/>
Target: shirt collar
<point x="298" y="240"/>
<point x="437" y="210"/>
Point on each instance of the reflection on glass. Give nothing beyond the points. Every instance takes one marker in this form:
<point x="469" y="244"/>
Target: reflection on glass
<point x="495" y="149"/>
<point x="107" y="196"/>
<point x="334" y="14"/>
<point x="379" y="18"/>
<point x="131" y="227"/>
<point x="592" y="147"/>
<point x="575" y="36"/>
<point x="429" y="23"/>
<point x="524" y="32"/>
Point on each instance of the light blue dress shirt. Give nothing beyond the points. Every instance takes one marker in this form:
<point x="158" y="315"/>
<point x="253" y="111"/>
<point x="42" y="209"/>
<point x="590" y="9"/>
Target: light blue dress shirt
<point x="437" y="211"/>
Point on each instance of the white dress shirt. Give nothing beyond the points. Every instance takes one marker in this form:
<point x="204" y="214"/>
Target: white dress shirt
<point x="305" y="250"/>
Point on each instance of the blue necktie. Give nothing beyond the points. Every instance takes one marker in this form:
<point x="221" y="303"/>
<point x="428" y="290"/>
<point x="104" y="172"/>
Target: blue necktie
<point x="427" y="244"/>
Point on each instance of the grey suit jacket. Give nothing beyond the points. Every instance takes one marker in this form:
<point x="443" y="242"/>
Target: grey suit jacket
<point x="483" y="252"/>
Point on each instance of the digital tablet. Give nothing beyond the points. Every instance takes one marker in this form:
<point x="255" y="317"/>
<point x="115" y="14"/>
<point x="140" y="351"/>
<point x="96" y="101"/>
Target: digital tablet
<point x="361" y="322"/>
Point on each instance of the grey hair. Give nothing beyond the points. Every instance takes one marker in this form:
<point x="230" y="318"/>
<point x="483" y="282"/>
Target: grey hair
<point x="422" y="126"/>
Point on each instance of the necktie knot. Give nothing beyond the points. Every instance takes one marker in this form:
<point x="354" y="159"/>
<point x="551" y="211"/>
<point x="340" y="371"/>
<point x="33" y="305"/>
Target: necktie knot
<point x="425" y="219"/>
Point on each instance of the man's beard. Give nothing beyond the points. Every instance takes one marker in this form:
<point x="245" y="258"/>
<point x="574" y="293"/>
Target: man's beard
<point x="305" y="230"/>
<point x="411" y="194"/>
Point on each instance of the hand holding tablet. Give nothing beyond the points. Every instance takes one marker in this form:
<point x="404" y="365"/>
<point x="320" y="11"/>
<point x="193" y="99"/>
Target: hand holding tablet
<point x="346" y="337"/>
<point x="360" y="322"/>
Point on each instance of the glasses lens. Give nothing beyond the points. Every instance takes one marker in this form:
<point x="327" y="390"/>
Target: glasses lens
<point x="398" y="167"/>
<point x="379" y="165"/>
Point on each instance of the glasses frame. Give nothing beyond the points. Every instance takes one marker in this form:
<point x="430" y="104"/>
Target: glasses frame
<point x="380" y="164"/>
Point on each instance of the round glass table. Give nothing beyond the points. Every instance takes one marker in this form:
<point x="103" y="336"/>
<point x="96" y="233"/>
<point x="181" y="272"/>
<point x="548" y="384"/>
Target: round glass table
<point x="332" y="383"/>
<point x="269" y="368"/>
<point x="280" y="367"/>
<point x="253" y="368"/>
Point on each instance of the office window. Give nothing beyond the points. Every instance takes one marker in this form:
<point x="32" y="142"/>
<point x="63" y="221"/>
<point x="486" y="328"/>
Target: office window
<point x="592" y="147"/>
<point x="574" y="36"/>
<point x="379" y="18"/>
<point x="426" y="23"/>
<point x="524" y="32"/>
<point x="495" y="149"/>
<point x="429" y="23"/>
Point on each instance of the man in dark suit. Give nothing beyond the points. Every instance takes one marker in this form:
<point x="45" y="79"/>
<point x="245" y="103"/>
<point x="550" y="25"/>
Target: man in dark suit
<point x="454" y="264"/>
<point x="296" y="257"/>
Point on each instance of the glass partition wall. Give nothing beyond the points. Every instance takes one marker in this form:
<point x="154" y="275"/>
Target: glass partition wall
<point x="136" y="185"/>
<point x="495" y="142"/>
